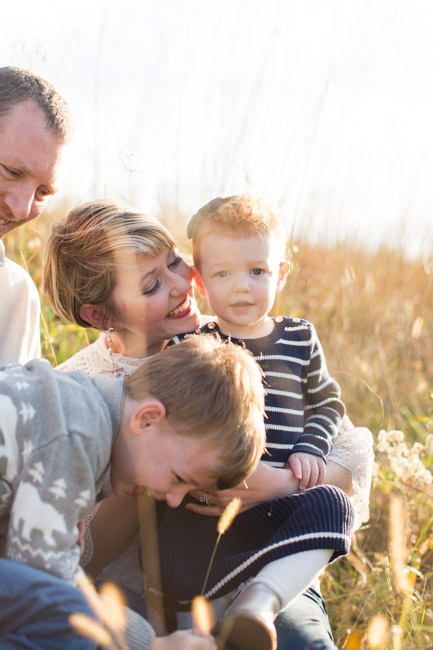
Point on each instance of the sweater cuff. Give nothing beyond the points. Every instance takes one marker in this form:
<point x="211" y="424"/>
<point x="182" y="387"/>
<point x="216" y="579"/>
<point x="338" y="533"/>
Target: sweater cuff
<point x="139" y="634"/>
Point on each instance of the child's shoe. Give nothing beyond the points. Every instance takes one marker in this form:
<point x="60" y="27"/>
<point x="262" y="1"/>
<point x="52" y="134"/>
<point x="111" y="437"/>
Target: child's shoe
<point x="248" y="622"/>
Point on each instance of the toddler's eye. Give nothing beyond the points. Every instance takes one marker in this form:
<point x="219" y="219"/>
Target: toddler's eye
<point x="257" y="271"/>
<point x="222" y="274"/>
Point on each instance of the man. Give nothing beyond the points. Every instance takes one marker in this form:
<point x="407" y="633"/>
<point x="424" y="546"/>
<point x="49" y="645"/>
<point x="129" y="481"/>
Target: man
<point x="35" y="126"/>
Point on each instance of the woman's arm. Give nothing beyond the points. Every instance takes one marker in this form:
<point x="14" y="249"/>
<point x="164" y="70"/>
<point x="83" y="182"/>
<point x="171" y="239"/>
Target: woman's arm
<point x="265" y="484"/>
<point x="339" y="476"/>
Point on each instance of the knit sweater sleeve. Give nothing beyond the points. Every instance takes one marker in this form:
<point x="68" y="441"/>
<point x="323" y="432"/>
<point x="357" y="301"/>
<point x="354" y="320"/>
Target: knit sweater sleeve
<point x="55" y="490"/>
<point x="323" y="408"/>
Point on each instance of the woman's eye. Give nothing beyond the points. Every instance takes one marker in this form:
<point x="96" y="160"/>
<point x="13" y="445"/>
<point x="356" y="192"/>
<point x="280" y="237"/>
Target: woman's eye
<point x="153" y="289"/>
<point x="257" y="271"/>
<point x="175" y="262"/>
<point x="178" y="478"/>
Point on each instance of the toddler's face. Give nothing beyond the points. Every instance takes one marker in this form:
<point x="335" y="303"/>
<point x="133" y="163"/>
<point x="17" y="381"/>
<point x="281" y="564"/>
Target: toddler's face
<point x="240" y="277"/>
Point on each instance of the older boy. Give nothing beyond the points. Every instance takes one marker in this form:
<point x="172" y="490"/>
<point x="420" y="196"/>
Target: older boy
<point x="190" y="417"/>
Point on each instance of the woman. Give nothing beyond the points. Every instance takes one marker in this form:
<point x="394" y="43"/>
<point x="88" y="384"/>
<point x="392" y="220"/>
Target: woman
<point x="118" y="271"/>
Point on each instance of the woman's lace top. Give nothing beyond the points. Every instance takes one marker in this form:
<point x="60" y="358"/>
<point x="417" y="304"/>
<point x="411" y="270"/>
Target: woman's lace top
<point x="96" y="360"/>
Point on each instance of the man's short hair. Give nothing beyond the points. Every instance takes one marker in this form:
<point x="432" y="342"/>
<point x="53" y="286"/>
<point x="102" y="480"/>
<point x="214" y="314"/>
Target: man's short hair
<point x="211" y="389"/>
<point x="18" y="85"/>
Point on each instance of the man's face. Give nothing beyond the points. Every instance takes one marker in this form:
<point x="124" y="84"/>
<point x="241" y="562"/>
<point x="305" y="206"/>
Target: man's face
<point x="30" y="163"/>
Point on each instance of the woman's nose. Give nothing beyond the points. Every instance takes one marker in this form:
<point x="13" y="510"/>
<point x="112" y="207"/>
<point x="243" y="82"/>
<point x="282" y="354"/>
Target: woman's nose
<point x="180" y="283"/>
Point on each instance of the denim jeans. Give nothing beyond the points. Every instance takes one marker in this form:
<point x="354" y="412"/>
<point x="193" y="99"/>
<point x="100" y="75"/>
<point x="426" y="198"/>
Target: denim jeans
<point x="34" y="610"/>
<point x="304" y="625"/>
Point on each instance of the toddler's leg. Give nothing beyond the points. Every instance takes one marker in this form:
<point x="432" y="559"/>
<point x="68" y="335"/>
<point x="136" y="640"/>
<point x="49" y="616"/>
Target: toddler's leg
<point x="249" y="620"/>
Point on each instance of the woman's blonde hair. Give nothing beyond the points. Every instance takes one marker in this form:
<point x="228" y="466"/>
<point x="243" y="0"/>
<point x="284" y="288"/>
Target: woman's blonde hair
<point x="211" y="389"/>
<point x="80" y="259"/>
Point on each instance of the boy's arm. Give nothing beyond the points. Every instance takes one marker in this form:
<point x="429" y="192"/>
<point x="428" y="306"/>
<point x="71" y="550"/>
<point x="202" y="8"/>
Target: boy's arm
<point x="56" y="489"/>
<point x="323" y="408"/>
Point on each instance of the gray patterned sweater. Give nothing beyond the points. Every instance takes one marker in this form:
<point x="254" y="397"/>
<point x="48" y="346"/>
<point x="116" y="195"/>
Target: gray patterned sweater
<point x="56" y="434"/>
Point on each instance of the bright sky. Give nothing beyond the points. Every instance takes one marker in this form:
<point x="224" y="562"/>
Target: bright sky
<point x="323" y="106"/>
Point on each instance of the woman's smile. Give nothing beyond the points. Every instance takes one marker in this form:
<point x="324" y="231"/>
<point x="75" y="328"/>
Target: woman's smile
<point x="182" y="309"/>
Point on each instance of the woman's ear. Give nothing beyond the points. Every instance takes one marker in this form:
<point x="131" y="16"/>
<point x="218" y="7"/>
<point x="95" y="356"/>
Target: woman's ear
<point x="93" y="315"/>
<point x="283" y="272"/>
<point x="148" y="413"/>
<point x="198" y="281"/>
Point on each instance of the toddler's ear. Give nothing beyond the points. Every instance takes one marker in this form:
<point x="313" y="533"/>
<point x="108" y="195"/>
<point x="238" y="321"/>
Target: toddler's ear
<point x="198" y="281"/>
<point x="283" y="272"/>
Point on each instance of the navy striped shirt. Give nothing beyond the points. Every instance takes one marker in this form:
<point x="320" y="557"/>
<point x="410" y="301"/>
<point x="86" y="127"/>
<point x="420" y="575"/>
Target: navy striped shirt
<point x="302" y="404"/>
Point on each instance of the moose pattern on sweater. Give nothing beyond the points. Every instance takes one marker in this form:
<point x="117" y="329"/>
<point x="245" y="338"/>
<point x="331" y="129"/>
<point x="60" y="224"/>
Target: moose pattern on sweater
<point x="56" y="434"/>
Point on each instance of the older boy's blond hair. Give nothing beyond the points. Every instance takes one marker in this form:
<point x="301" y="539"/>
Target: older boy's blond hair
<point x="82" y="252"/>
<point x="241" y="215"/>
<point x="211" y="389"/>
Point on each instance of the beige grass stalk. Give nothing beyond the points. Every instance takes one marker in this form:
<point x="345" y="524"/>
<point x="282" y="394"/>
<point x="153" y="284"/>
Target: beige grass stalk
<point x="91" y="629"/>
<point x="202" y="614"/>
<point x="109" y="607"/>
<point x="224" y="523"/>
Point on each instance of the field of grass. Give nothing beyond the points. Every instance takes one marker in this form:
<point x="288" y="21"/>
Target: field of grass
<point x="373" y="313"/>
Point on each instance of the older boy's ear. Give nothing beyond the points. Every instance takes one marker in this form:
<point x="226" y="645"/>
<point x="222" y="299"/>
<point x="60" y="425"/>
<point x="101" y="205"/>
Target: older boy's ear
<point x="93" y="315"/>
<point x="198" y="281"/>
<point x="147" y="414"/>
<point x="283" y="272"/>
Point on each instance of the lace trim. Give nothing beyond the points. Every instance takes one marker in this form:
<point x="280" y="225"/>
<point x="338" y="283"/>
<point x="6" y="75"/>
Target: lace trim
<point x="353" y="449"/>
<point x="95" y="360"/>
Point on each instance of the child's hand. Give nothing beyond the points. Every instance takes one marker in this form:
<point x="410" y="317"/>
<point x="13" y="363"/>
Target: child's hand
<point x="308" y="469"/>
<point x="185" y="640"/>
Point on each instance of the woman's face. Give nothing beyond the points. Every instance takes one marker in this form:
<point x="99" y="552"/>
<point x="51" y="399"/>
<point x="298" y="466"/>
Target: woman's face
<point x="154" y="301"/>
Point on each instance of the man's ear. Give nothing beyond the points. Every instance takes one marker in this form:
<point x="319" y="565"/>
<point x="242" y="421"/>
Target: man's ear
<point x="93" y="315"/>
<point x="283" y="272"/>
<point x="146" y="414"/>
<point x="198" y="281"/>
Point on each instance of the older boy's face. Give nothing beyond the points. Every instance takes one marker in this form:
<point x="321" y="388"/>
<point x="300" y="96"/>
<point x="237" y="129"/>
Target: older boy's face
<point x="30" y="162"/>
<point x="164" y="462"/>
<point x="241" y="276"/>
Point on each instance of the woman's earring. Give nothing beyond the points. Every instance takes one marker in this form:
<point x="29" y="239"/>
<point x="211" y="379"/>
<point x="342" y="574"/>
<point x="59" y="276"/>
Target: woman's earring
<point x="109" y="332"/>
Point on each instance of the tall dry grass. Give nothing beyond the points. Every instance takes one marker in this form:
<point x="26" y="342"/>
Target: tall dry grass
<point x="373" y="313"/>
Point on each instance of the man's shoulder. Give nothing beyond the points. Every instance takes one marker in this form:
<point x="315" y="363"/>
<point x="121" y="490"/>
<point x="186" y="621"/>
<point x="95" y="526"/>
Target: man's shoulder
<point x="15" y="277"/>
